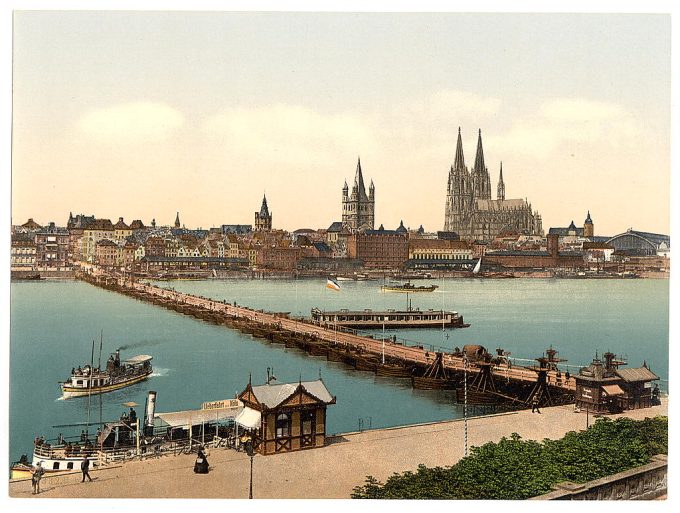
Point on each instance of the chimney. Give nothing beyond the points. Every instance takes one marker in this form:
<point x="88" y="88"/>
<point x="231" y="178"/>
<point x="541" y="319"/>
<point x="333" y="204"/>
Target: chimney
<point x="150" y="412"/>
<point x="553" y="244"/>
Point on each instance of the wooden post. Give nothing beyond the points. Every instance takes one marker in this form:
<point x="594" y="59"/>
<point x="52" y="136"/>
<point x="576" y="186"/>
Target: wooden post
<point x="137" y="426"/>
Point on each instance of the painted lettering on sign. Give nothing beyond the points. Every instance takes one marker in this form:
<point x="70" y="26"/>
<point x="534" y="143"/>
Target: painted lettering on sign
<point x="226" y="403"/>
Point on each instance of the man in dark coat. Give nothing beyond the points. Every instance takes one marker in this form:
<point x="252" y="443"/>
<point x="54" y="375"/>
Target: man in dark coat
<point x="85" y="468"/>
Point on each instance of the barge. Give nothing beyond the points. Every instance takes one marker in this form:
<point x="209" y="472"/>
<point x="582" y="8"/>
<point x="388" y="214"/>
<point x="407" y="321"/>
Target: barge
<point x="390" y="319"/>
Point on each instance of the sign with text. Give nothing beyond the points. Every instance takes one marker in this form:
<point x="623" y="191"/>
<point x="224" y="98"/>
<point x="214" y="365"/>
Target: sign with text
<point x="216" y="405"/>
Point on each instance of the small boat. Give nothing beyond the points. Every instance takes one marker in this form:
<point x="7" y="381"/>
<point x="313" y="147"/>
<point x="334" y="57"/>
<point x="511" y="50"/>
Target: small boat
<point x="408" y="287"/>
<point x="353" y="277"/>
<point x="88" y="380"/>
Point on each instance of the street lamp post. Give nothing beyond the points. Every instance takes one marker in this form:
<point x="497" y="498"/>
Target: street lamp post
<point x="251" y="453"/>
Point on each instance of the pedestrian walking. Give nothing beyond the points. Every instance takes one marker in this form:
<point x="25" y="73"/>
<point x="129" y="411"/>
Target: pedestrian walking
<point x="36" y="477"/>
<point x="534" y="406"/>
<point x="85" y="468"/>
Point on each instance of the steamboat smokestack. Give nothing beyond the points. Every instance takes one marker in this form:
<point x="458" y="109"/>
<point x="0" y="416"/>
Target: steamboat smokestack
<point x="150" y="411"/>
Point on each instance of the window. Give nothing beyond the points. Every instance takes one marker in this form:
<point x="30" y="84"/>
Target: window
<point x="55" y="465"/>
<point x="282" y="425"/>
<point x="308" y="422"/>
<point x="69" y="465"/>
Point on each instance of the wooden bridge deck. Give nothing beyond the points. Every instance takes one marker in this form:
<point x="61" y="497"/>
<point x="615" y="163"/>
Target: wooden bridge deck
<point x="391" y="350"/>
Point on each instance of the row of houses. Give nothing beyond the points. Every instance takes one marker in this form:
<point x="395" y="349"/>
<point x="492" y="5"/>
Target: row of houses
<point x="87" y="239"/>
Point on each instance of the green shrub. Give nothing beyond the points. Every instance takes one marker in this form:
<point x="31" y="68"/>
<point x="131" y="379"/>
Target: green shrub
<point x="519" y="469"/>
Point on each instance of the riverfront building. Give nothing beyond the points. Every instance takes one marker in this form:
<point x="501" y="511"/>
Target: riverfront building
<point x="379" y="249"/>
<point x="51" y="248"/>
<point x="470" y="211"/>
<point x="358" y="208"/>
<point x="550" y="259"/>
<point x="23" y="252"/>
<point x="603" y="387"/>
<point x="286" y="417"/>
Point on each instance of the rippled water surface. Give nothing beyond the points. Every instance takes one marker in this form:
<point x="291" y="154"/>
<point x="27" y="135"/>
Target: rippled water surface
<point x="53" y="324"/>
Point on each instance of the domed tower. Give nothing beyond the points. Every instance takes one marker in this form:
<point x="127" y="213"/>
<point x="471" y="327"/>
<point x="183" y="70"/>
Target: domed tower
<point x="588" y="227"/>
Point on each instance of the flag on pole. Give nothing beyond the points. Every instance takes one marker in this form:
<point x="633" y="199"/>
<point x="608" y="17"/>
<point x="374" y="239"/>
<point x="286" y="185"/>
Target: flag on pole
<point x="332" y="284"/>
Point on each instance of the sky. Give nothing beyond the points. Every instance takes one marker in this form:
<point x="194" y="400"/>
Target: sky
<point x="144" y="114"/>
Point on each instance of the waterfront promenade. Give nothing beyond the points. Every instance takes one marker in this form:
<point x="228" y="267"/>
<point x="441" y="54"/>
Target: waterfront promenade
<point x="328" y="472"/>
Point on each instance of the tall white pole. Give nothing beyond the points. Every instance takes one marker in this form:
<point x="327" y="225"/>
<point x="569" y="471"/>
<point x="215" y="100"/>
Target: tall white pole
<point x="383" y="342"/>
<point x="465" y="367"/>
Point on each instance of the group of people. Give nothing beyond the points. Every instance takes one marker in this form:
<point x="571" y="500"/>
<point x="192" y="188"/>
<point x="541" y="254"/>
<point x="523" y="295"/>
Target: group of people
<point x="39" y="471"/>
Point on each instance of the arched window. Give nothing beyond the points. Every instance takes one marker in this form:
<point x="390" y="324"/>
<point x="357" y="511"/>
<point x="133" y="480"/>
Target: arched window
<point x="282" y="425"/>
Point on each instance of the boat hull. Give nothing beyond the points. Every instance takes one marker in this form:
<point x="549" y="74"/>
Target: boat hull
<point x="422" y="383"/>
<point x="393" y="371"/>
<point x="69" y="392"/>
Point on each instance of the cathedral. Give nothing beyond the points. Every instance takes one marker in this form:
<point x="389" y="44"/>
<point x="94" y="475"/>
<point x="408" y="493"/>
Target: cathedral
<point x="470" y="211"/>
<point x="358" y="208"/>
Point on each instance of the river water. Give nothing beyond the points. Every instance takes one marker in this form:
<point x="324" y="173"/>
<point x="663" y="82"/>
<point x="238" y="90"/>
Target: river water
<point x="53" y="324"/>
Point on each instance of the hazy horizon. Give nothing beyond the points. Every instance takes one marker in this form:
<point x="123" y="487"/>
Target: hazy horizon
<point x="142" y="114"/>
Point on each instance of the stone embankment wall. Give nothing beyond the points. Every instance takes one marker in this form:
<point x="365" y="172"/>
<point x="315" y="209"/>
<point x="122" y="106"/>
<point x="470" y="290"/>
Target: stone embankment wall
<point x="641" y="483"/>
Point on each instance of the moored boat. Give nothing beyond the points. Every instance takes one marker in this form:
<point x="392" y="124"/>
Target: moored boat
<point x="128" y="437"/>
<point x="389" y="319"/>
<point x="90" y="380"/>
<point x="408" y="287"/>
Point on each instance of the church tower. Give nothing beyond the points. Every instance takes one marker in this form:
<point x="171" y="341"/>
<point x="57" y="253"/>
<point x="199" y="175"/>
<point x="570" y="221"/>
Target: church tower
<point x="177" y="223"/>
<point x="588" y="227"/>
<point x="263" y="218"/>
<point x="500" y="192"/>
<point x="459" y="191"/>
<point x="358" y="208"/>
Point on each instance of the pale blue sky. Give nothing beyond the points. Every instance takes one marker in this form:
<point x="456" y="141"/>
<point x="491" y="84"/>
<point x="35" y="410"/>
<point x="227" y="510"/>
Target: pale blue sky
<point x="141" y="114"/>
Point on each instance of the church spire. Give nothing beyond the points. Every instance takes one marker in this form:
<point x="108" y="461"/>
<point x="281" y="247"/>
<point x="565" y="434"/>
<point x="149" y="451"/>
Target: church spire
<point x="264" y="209"/>
<point x="479" y="158"/>
<point x="359" y="181"/>
<point x="177" y="224"/>
<point x="501" y="186"/>
<point x="459" y="162"/>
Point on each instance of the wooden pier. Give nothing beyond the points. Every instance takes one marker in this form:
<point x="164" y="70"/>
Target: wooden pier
<point x="520" y="384"/>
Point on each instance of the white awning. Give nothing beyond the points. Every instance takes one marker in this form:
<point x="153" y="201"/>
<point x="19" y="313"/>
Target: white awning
<point x="612" y="390"/>
<point x="249" y="418"/>
<point x="138" y="360"/>
<point x="195" y="417"/>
